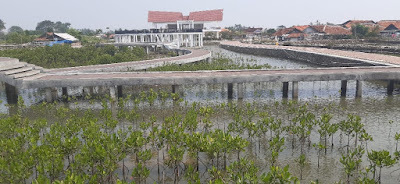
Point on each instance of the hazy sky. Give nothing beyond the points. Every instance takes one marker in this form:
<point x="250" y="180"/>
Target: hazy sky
<point x="133" y="13"/>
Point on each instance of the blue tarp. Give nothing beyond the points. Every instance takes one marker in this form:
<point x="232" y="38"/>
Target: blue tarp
<point x="59" y="42"/>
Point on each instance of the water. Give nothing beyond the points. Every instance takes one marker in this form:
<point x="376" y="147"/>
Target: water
<point x="375" y="108"/>
<point x="274" y="62"/>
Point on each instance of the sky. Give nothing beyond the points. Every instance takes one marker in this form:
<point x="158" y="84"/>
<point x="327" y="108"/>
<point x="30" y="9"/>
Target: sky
<point x="132" y="14"/>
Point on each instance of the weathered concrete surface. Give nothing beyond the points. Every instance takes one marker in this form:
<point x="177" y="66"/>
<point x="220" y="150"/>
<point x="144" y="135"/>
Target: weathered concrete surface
<point x="211" y="77"/>
<point x="96" y="75"/>
<point x="369" y="46"/>
<point x="14" y="72"/>
<point x="316" y="56"/>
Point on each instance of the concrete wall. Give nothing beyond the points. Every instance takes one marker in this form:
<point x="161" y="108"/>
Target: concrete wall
<point x="369" y="46"/>
<point x="311" y="58"/>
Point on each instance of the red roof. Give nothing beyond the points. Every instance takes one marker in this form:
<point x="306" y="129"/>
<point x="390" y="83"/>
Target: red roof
<point x="301" y="28"/>
<point x="199" y="16"/>
<point x="159" y="16"/>
<point x="296" y="35"/>
<point x="48" y="36"/>
<point x="386" y="23"/>
<point x="281" y="32"/>
<point x="350" y="23"/>
<point x="332" y="30"/>
<point x="208" y="15"/>
<point x="252" y="30"/>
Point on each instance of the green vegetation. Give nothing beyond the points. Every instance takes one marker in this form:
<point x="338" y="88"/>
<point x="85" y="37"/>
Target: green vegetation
<point x="220" y="62"/>
<point x="18" y="38"/>
<point x="123" y="142"/>
<point x="49" y="26"/>
<point x="15" y="29"/>
<point x="17" y="35"/>
<point x="59" y="56"/>
<point x="2" y="25"/>
<point x="361" y="31"/>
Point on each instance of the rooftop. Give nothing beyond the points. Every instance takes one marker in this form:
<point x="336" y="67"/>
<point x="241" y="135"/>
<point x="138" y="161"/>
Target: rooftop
<point x="350" y="23"/>
<point x="332" y="29"/>
<point x="387" y="23"/>
<point x="301" y="28"/>
<point x="198" y="16"/>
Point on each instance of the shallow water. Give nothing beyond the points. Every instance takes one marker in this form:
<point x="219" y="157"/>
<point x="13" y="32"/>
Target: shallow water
<point x="375" y="108"/>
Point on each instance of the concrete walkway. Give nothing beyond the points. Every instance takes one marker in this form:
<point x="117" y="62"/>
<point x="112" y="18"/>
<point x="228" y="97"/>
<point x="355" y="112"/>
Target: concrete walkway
<point x="104" y="75"/>
<point x="211" y="77"/>
<point x="386" y="59"/>
<point x="15" y="73"/>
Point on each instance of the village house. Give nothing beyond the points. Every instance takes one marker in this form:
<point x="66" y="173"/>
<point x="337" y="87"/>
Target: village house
<point x="348" y="24"/>
<point x="391" y="28"/>
<point x="294" y="33"/>
<point x="252" y="33"/>
<point x="317" y="32"/>
<point x="313" y="32"/>
<point x="51" y="39"/>
<point x="386" y="28"/>
<point x="289" y="34"/>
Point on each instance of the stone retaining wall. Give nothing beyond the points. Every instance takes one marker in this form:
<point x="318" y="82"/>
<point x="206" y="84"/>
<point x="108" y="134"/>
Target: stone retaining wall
<point x="369" y="46"/>
<point x="311" y="58"/>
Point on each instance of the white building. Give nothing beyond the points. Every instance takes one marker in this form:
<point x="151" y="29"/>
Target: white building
<point x="174" y="28"/>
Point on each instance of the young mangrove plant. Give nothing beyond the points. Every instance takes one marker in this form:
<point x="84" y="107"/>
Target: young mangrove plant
<point x="278" y="175"/>
<point x="351" y="161"/>
<point x="380" y="159"/>
<point x="243" y="171"/>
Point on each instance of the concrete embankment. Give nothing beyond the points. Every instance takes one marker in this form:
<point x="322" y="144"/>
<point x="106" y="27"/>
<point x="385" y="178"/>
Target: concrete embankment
<point x="314" y="58"/>
<point x="368" y="46"/>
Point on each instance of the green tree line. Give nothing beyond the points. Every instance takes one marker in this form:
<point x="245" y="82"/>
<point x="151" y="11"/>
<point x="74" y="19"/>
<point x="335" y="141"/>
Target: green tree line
<point x="59" y="56"/>
<point x="17" y="35"/>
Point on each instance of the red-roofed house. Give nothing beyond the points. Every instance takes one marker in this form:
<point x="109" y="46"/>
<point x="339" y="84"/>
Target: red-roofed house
<point x="281" y="33"/>
<point x="290" y="34"/>
<point x="327" y="31"/>
<point x="387" y="23"/>
<point x="295" y="35"/>
<point x="350" y="23"/>
<point x="391" y="28"/>
<point x="301" y="28"/>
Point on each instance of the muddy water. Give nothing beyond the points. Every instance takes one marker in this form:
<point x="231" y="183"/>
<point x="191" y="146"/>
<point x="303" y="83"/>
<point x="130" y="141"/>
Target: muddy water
<point x="375" y="108"/>
<point x="376" y="114"/>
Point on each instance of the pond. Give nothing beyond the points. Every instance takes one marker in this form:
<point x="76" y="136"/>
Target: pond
<point x="378" y="112"/>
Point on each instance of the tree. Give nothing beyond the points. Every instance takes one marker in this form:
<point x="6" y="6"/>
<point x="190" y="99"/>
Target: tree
<point x="61" y="27"/>
<point x="45" y="26"/>
<point x="2" y="25"/>
<point x="359" y="31"/>
<point x="18" y="38"/>
<point x="237" y="27"/>
<point x="87" y="32"/>
<point x="99" y="31"/>
<point x="281" y="27"/>
<point x="373" y="32"/>
<point x="271" y="31"/>
<point x="49" y="26"/>
<point x="15" y="29"/>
